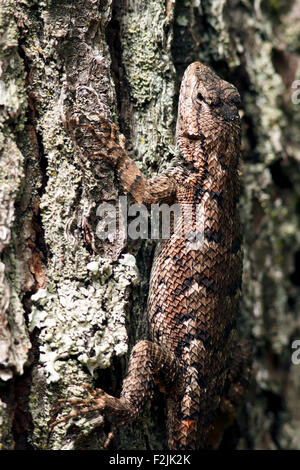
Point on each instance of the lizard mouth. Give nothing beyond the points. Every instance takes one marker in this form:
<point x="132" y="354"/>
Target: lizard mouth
<point x="192" y="136"/>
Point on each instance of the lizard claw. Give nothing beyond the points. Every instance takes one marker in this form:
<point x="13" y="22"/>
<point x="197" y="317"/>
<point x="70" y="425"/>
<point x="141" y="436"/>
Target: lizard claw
<point x="110" y="436"/>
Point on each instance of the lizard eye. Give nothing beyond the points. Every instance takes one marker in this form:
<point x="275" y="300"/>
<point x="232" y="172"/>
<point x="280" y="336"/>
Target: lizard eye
<point x="200" y="97"/>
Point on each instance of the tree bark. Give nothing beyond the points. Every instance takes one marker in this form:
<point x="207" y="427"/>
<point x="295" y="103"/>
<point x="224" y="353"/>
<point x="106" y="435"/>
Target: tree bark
<point x="71" y="306"/>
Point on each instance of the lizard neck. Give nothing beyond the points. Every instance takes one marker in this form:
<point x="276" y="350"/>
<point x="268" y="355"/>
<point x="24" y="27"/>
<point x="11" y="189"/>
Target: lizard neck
<point x="215" y="159"/>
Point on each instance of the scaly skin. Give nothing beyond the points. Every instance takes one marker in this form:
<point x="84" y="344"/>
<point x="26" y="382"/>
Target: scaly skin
<point x="193" y="355"/>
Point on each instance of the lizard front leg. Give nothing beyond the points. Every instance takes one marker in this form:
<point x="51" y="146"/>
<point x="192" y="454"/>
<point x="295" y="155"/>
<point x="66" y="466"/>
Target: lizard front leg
<point x="98" y="138"/>
<point x="149" y="365"/>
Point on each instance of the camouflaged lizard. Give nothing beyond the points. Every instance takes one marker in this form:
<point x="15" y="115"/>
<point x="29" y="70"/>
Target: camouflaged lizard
<point x="193" y="356"/>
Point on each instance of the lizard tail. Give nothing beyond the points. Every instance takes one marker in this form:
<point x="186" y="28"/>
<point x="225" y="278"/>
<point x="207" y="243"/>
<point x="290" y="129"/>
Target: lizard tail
<point x="185" y="419"/>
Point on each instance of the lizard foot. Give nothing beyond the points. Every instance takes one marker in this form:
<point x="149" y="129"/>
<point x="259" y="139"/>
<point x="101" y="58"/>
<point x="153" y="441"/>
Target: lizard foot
<point x="81" y="406"/>
<point x="98" y="401"/>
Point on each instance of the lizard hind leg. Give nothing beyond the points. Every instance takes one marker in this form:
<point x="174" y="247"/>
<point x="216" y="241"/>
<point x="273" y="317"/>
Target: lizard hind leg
<point x="238" y="378"/>
<point x="149" y="364"/>
<point x="238" y="381"/>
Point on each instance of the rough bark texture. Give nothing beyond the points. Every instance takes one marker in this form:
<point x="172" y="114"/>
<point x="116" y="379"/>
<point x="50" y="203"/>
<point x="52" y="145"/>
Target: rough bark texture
<point x="70" y="305"/>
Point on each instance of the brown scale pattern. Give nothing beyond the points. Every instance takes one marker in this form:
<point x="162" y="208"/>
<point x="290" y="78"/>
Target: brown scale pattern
<point x="193" y="355"/>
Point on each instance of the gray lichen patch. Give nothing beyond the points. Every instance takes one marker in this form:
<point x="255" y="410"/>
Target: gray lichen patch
<point x="86" y="319"/>
<point x="81" y="325"/>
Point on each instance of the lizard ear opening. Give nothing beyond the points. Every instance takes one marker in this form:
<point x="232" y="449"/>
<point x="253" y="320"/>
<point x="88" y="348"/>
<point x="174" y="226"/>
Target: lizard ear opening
<point x="236" y="100"/>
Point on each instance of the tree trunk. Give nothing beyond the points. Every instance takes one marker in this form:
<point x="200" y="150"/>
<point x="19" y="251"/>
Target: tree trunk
<point x="71" y="306"/>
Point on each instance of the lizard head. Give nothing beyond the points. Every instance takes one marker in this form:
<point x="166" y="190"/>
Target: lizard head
<point x="208" y="118"/>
